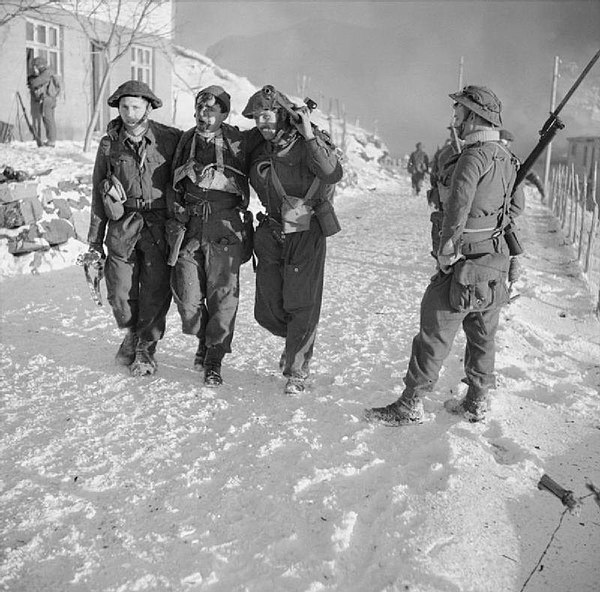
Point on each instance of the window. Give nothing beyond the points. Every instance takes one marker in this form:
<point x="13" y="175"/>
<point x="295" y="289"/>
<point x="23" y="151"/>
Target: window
<point x="141" y="64"/>
<point x="45" y="41"/>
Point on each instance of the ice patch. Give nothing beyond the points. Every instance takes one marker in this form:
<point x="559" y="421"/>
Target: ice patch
<point x="342" y="535"/>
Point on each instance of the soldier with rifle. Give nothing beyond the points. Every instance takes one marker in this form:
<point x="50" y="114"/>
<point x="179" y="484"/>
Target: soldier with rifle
<point x="469" y="288"/>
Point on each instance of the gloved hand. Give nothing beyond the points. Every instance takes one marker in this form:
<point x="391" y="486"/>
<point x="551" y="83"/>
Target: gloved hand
<point x="97" y="248"/>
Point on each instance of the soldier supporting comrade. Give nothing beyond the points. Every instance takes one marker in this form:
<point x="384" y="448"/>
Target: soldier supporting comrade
<point x="132" y="175"/>
<point x="294" y="172"/>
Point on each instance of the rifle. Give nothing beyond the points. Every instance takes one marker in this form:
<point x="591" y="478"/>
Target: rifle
<point x="551" y="127"/>
<point x="547" y="133"/>
<point x="37" y="139"/>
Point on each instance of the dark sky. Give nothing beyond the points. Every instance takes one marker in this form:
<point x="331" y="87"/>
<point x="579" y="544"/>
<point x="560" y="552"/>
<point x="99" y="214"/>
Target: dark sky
<point x="399" y="84"/>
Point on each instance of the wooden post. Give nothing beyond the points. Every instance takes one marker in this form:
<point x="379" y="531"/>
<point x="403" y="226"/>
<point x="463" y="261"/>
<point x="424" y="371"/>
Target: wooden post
<point x="592" y="235"/>
<point x="582" y="225"/>
<point x="461" y="66"/>
<point x="552" y="106"/>
<point x="575" y="208"/>
<point x="571" y="201"/>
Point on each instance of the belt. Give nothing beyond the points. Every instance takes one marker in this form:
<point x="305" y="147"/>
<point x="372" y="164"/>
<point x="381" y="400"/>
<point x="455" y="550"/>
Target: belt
<point x="196" y="206"/>
<point x="139" y="204"/>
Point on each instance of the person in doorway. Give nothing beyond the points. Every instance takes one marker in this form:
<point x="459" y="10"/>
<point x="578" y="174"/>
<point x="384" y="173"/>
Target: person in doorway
<point x="210" y="201"/>
<point x="131" y="179"/>
<point x="469" y="288"/>
<point x="294" y="172"/>
<point x="418" y="166"/>
<point x="44" y="88"/>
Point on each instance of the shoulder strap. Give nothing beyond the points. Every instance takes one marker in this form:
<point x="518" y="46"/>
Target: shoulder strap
<point x="281" y="191"/>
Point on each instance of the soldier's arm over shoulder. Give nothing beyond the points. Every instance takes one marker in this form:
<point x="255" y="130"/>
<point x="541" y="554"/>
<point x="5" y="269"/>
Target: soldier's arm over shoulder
<point x="323" y="158"/>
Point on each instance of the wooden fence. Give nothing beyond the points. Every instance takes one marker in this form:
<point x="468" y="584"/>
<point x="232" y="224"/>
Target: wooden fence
<point x="574" y="201"/>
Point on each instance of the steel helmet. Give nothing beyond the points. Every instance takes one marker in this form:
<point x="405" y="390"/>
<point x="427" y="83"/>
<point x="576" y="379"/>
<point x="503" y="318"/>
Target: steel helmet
<point x="480" y="100"/>
<point x="134" y="88"/>
<point x="268" y="98"/>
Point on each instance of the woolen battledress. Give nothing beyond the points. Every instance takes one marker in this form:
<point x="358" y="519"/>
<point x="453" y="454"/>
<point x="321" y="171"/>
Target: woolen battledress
<point x="482" y="176"/>
<point x="136" y="270"/>
<point x="211" y="191"/>
<point x="290" y="271"/>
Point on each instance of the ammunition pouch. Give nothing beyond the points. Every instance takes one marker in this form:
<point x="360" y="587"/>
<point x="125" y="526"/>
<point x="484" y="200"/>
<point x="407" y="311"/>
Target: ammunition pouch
<point x="479" y="284"/>
<point x="328" y="221"/>
<point x="113" y="197"/>
<point x="512" y="240"/>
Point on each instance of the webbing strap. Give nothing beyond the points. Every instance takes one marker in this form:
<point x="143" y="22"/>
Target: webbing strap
<point x="281" y="191"/>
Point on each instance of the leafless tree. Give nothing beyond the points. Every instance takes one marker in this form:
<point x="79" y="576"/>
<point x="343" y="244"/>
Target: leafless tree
<point x="114" y="26"/>
<point x="10" y="9"/>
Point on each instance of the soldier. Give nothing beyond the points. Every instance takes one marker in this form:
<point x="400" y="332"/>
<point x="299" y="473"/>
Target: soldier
<point x="44" y="88"/>
<point x="132" y="175"/>
<point x="470" y="285"/>
<point x="212" y="194"/>
<point x="418" y="166"/>
<point x="294" y="172"/>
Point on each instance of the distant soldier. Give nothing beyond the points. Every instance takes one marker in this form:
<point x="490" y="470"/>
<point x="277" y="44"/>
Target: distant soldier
<point x="470" y="288"/>
<point x="532" y="177"/>
<point x="132" y="175"/>
<point x="418" y="166"/>
<point x="44" y="88"/>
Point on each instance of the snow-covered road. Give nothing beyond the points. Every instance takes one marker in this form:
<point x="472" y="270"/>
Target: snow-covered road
<point x="119" y="484"/>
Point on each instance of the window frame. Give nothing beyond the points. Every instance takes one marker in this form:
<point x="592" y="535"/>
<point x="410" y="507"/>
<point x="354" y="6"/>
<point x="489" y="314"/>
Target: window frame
<point x="36" y="48"/>
<point x="141" y="61"/>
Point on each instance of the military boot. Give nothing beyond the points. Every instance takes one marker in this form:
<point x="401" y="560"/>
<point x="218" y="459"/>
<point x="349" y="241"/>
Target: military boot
<point x="294" y="385"/>
<point x="200" y="355"/>
<point x="473" y="406"/>
<point x="408" y="409"/>
<point x="144" y="363"/>
<point x="212" y="366"/>
<point x="126" y="353"/>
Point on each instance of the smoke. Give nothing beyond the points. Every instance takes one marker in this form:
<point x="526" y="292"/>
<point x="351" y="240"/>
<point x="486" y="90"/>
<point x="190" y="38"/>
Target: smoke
<point x="393" y="64"/>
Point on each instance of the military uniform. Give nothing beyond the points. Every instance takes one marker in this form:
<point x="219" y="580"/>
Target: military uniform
<point x="136" y="270"/>
<point x="211" y="194"/>
<point x="418" y="165"/>
<point x="473" y="252"/>
<point x="291" y="176"/>
<point x="472" y="220"/>
<point x="44" y="89"/>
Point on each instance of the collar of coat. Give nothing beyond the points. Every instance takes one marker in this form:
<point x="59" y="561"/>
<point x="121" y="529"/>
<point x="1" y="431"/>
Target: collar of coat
<point x="489" y="135"/>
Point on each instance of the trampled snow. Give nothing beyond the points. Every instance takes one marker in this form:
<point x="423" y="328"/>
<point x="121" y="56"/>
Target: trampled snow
<point x="117" y="484"/>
